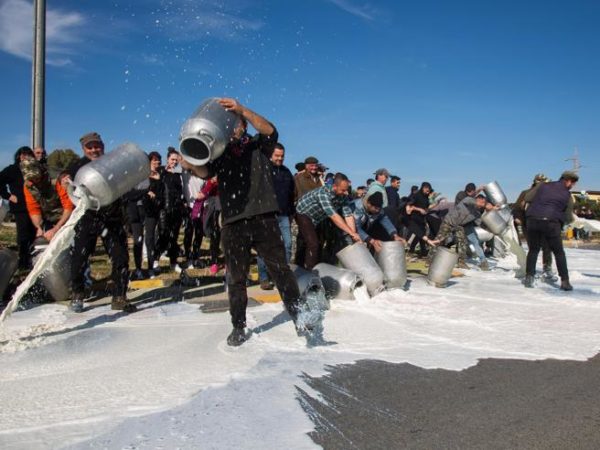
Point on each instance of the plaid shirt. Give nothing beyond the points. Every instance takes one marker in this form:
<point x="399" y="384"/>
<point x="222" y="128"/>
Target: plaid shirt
<point x="322" y="203"/>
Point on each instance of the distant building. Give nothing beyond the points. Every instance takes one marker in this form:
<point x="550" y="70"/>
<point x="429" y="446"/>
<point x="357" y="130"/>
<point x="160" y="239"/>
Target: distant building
<point x="592" y="196"/>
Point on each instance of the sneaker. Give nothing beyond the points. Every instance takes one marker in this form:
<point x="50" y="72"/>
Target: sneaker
<point x="266" y="285"/>
<point x="528" y="282"/>
<point x="175" y="268"/>
<point x="485" y="266"/>
<point x="77" y="303"/>
<point x="213" y="269"/>
<point x="151" y="274"/>
<point x="565" y="285"/>
<point x="120" y="303"/>
<point x="237" y="337"/>
<point x="155" y="265"/>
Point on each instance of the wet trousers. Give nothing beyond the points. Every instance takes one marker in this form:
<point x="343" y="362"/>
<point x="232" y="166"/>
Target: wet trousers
<point x="261" y="233"/>
<point x="538" y="231"/>
<point x="114" y="239"/>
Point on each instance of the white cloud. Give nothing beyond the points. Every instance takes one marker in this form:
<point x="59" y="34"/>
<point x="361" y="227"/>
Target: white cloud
<point x="366" y="11"/>
<point x="16" y="31"/>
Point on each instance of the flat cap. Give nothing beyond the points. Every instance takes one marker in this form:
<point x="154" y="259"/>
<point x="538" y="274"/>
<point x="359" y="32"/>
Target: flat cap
<point x="90" y="137"/>
<point x="382" y="172"/>
<point x="569" y="175"/>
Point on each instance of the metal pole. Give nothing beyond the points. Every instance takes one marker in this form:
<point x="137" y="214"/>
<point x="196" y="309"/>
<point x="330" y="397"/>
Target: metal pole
<point x="39" y="73"/>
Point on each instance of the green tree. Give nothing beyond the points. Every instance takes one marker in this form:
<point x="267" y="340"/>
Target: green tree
<point x="61" y="159"/>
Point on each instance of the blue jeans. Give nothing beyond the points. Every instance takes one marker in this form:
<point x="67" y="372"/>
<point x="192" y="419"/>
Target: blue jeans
<point x="286" y="234"/>
<point x="474" y="241"/>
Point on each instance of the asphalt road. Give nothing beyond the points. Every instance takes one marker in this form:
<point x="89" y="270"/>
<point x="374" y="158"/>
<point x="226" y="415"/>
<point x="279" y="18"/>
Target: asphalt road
<point x="497" y="404"/>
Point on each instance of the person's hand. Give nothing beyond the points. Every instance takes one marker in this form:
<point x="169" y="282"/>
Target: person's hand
<point x="65" y="181"/>
<point x="376" y="244"/>
<point x="152" y="195"/>
<point x="39" y="232"/>
<point x="200" y="196"/>
<point x="13" y="198"/>
<point x="155" y="175"/>
<point x="232" y="105"/>
<point x="400" y="239"/>
<point x="48" y="235"/>
<point x="355" y="237"/>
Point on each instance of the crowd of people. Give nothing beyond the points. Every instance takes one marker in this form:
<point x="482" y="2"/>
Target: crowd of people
<point x="248" y="199"/>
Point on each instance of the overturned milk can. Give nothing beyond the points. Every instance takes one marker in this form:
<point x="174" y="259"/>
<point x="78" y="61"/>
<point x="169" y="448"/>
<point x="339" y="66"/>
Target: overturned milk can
<point x="311" y="288"/>
<point x="107" y="178"/>
<point x="204" y="136"/>
<point x="441" y="266"/>
<point x="495" y="194"/>
<point x="57" y="278"/>
<point x="339" y="283"/>
<point x="358" y="259"/>
<point x="392" y="261"/>
<point x="9" y="261"/>
<point x="494" y="222"/>
<point x="483" y="235"/>
<point x="4" y="208"/>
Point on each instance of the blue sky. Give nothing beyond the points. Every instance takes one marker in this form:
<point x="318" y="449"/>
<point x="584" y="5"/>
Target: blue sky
<point x="447" y="92"/>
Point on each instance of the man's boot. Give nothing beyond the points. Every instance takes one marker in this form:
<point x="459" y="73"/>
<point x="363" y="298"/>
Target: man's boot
<point x="237" y="337"/>
<point x="547" y="274"/>
<point x="266" y="285"/>
<point x="485" y="266"/>
<point x="120" y="303"/>
<point x="462" y="265"/>
<point x="565" y="285"/>
<point x="528" y="282"/>
<point x="77" y="302"/>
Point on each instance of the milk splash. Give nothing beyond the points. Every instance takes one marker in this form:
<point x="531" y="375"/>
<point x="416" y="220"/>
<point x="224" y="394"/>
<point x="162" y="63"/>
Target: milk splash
<point x="61" y="240"/>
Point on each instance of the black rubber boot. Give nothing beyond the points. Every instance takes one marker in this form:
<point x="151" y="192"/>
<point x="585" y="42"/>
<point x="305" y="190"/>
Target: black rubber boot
<point x="120" y="303"/>
<point x="236" y="338"/>
<point x="565" y="285"/>
<point x="528" y="282"/>
<point x="77" y="302"/>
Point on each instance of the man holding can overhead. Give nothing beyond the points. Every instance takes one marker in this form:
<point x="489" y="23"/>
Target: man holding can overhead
<point x="249" y="211"/>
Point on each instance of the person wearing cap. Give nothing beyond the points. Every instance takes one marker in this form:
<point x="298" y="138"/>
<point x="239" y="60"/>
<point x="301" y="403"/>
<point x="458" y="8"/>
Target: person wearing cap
<point x="309" y="179"/>
<point x="11" y="189"/>
<point x="550" y="207"/>
<point x="453" y="226"/>
<point x="368" y="214"/>
<point x="520" y="219"/>
<point x="107" y="223"/>
<point x="305" y="181"/>
<point x="48" y="205"/>
<point x="381" y="177"/>
<point x="249" y="211"/>
<point x="327" y="202"/>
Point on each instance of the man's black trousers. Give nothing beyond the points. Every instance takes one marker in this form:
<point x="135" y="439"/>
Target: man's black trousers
<point x="261" y="233"/>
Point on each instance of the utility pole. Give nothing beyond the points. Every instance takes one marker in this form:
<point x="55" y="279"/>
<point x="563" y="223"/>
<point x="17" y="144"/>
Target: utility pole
<point x="38" y="73"/>
<point x="576" y="162"/>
